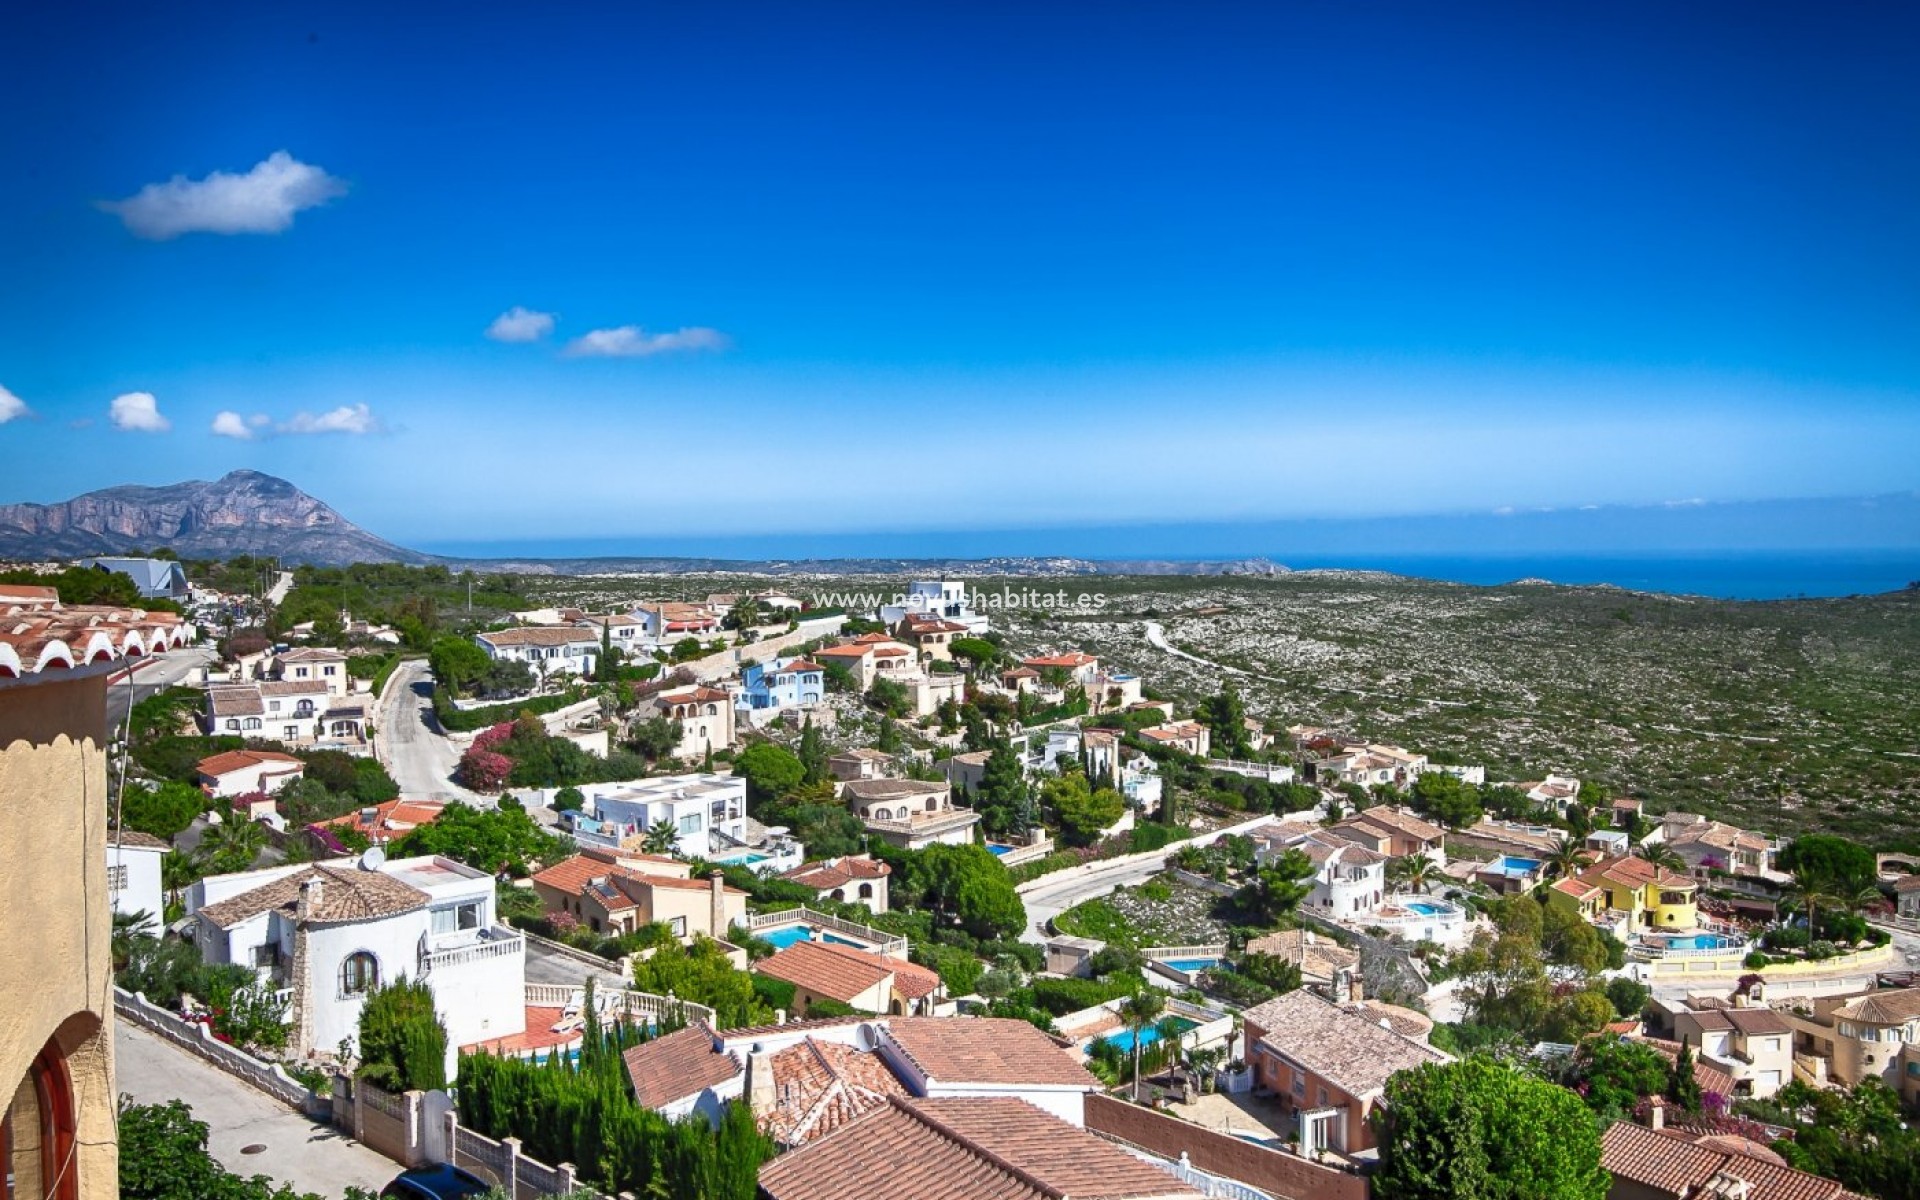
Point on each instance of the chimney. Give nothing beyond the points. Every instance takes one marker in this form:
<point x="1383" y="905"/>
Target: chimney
<point x="761" y="1096"/>
<point x="1657" y="1116"/>
<point x="1356" y="989"/>
<point x="309" y="900"/>
<point x="719" y="915"/>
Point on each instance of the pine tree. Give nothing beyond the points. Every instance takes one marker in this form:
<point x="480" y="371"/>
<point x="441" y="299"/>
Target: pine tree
<point x="813" y="752"/>
<point x="1683" y="1086"/>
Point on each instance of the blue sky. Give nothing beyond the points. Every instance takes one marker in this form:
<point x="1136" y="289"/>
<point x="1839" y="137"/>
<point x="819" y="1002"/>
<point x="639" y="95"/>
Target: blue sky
<point x="979" y="266"/>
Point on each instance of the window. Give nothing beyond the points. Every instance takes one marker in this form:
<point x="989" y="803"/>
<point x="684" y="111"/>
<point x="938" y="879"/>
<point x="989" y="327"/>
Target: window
<point x="267" y="955"/>
<point x="117" y="877"/>
<point x="690" y="824"/>
<point x="1299" y="1086"/>
<point x="233" y="722"/>
<point x="254" y="722"/>
<point x="359" y="974"/>
<point x="456" y="918"/>
<point x="328" y="671"/>
<point x="678" y="926"/>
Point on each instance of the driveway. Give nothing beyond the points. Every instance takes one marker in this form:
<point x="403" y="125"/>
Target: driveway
<point x="309" y="1156"/>
<point x="410" y="744"/>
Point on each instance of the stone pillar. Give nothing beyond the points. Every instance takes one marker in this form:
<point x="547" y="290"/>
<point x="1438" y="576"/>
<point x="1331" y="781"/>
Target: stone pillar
<point x="718" y="916"/>
<point x="416" y="1141"/>
<point x="510" y="1170"/>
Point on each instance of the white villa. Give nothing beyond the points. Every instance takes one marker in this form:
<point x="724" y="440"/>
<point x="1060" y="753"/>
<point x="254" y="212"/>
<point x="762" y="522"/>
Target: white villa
<point x="909" y="813"/>
<point x="326" y="934"/>
<point x="548" y="649"/>
<point x="133" y="874"/>
<point x="707" y="812"/>
<point x="945" y="598"/>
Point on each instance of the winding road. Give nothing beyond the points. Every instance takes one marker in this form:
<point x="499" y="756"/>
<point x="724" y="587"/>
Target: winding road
<point x="1050" y="895"/>
<point x="410" y="744"/>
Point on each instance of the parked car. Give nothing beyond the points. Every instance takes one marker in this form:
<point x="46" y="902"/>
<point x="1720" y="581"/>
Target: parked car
<point x="444" y="1182"/>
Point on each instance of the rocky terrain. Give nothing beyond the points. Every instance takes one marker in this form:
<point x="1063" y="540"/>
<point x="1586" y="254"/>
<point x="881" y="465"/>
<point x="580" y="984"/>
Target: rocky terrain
<point x="1783" y="716"/>
<point x="242" y="512"/>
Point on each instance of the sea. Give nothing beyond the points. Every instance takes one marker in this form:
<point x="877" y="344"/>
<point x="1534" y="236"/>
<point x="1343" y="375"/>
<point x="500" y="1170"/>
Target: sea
<point x="1727" y="575"/>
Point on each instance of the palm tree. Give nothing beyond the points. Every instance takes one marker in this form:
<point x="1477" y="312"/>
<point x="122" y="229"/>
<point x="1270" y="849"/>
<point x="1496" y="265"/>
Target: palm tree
<point x="1662" y="855"/>
<point x="130" y="930"/>
<point x="1568" y="858"/>
<point x="1809" y="895"/>
<point x="179" y="870"/>
<point x="1414" y="872"/>
<point x="233" y="844"/>
<point x="1141" y="1011"/>
<point x="660" y="838"/>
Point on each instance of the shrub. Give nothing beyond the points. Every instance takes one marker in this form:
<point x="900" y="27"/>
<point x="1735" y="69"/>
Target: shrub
<point x="403" y="1045"/>
<point x="1818" y="951"/>
<point x="1757" y="960"/>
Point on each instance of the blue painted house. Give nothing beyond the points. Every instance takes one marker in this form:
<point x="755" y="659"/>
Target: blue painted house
<point x="783" y="683"/>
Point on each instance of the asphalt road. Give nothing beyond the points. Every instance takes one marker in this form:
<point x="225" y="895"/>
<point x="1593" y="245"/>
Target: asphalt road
<point x="410" y="744"/>
<point x="161" y="673"/>
<point x="297" y="1151"/>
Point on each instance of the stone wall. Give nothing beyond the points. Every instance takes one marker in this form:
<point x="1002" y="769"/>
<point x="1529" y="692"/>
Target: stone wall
<point x="198" y="1039"/>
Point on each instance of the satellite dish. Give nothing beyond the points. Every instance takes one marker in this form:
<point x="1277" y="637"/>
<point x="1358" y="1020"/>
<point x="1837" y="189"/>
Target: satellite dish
<point x="372" y="858"/>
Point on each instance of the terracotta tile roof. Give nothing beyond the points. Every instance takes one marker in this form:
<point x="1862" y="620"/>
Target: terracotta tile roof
<point x="698" y="694"/>
<point x="798" y="666"/>
<point x="989" y="1050"/>
<point x="1065" y="661"/>
<point x="1020" y="673"/>
<point x="133" y="839"/>
<point x="1173" y="731"/>
<point x="1633" y="872"/>
<point x="1907" y="883"/>
<point x="1319" y="959"/>
<point x="863" y="754"/>
<point x="1346" y="1048"/>
<point x="540" y="635"/>
<point x="681" y="1064"/>
<point x="820" y="1086"/>
<point x="894" y="789"/>
<point x="837" y="872"/>
<point x="1709" y="1077"/>
<point x="396" y="815"/>
<point x="843" y="972"/>
<point x="292" y="687"/>
<point x="315" y="654"/>
<point x="843" y="652"/>
<point x="242" y="760"/>
<point x="1758" y="1021"/>
<point x="1891" y="1006"/>
<point x="1673" y="1165"/>
<point x="623" y="886"/>
<point x="39" y="635"/>
<point x="346" y="894"/>
<point x="965" y="1148"/>
<point x="1403" y="822"/>
<point x="1403" y="1021"/>
<point x="240" y="701"/>
<point x="28" y="595"/>
<point x="745" y="1035"/>
<point x="1575" y="888"/>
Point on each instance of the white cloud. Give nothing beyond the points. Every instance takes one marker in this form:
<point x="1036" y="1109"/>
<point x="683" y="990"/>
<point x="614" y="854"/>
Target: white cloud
<point x="263" y="200"/>
<point x="12" y="406"/>
<point x="138" y="412"/>
<point x="519" y="324"/>
<point x="348" y="418"/>
<point x="631" y="341"/>
<point x="232" y="425"/>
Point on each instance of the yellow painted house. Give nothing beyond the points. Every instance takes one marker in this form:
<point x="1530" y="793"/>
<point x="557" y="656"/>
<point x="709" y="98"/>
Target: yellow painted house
<point x="1649" y="897"/>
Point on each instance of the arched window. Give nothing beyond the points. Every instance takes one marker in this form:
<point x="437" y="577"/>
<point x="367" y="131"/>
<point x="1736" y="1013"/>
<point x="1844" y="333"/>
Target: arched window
<point x="233" y="722"/>
<point x="838" y="894"/>
<point x="933" y="803"/>
<point x="712" y="711"/>
<point x="883" y="814"/>
<point x="359" y="973"/>
<point x="866" y="891"/>
<point x="253" y="722"/>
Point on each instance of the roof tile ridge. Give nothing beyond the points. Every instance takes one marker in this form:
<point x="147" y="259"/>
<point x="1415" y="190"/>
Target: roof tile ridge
<point x="976" y="1149"/>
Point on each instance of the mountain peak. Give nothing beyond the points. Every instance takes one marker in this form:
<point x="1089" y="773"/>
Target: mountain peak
<point x="242" y="512"/>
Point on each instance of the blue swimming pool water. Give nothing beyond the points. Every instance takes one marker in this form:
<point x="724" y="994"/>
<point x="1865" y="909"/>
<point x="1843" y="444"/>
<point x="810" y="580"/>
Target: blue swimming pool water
<point x="1148" y="1036"/>
<point x="1519" y="866"/>
<point x="997" y="848"/>
<point x="1698" y="941"/>
<point x="1192" y="964"/>
<point x="787" y="935"/>
<point x="1427" y="908"/>
<point x="745" y="858"/>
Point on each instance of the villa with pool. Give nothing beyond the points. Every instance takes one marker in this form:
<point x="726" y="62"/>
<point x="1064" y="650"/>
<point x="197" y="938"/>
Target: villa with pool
<point x="1655" y="910"/>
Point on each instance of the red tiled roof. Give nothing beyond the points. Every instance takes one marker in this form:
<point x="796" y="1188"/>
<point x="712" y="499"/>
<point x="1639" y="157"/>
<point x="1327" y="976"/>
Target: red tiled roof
<point x="241" y="760"/>
<point x="39" y="635"/>
<point x="821" y="1086"/>
<point x="843" y="972"/>
<point x="1066" y="661"/>
<point x="964" y="1148"/>
<point x="993" y="1050"/>
<point x="837" y="872"/>
<point x="1676" y="1166"/>
<point x="678" y="1065"/>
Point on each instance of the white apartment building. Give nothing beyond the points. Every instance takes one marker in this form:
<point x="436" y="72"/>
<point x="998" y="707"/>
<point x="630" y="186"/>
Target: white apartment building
<point x="944" y="598"/>
<point x="707" y="812"/>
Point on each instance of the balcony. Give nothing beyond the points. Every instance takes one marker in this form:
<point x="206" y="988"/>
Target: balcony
<point x="495" y="942"/>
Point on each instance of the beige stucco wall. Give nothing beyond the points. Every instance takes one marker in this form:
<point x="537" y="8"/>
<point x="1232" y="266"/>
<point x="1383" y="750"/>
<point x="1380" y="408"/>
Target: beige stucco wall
<point x="55" y="917"/>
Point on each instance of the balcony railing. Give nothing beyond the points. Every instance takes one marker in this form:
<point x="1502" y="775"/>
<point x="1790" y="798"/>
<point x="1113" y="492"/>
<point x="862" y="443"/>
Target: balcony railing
<point x="500" y="942"/>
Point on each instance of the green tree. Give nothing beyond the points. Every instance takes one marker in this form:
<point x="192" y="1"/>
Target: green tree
<point x="967" y="885"/>
<point x="1004" y="798"/>
<point x="1629" y="996"/>
<point x="744" y="614"/>
<point x="1141" y="1011"/>
<point x="661" y="838"/>
<point x="1480" y="1130"/>
<point x="813" y="753"/>
<point x="403" y="1045"/>
<point x="163" y="1156"/>
<point x="889" y="697"/>
<point x="1082" y="811"/>
<point x="1683" y="1086"/>
<point x="976" y="653"/>
<point x="1446" y="798"/>
<point x="887" y="738"/>
<point x="1830" y="863"/>
<point x="1225" y="717"/>
<point x="1277" y="888"/>
<point x="656" y="738"/>
<point x="702" y="973"/>
<point x="1613" y="1075"/>
<point x="234" y="844"/>
<point x="457" y="663"/>
<point x="1413" y="872"/>
<point x="163" y="811"/>
<point x="771" y="771"/>
<point x="493" y="840"/>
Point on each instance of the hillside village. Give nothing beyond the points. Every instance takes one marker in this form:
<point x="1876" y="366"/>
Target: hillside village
<point x="744" y="894"/>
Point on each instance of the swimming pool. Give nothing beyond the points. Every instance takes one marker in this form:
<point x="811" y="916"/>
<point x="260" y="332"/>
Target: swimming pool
<point x="1428" y="908"/>
<point x="1697" y="941"/>
<point x="1148" y="1036"/>
<point x="787" y="935"/>
<point x="745" y="858"/>
<point x="998" y="848"/>
<point x="1190" y="965"/>
<point x="1514" y="865"/>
